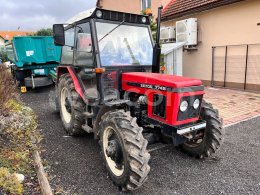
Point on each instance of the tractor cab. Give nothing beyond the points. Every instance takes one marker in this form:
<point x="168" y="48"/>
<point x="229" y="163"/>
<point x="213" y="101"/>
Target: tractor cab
<point x="108" y="42"/>
<point x="109" y="84"/>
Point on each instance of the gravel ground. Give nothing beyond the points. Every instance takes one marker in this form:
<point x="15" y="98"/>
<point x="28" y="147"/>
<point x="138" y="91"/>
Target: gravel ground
<point x="76" y="164"/>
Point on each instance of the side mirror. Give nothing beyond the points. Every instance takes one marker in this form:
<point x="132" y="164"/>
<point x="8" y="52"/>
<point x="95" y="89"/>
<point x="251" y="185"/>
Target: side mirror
<point x="58" y="34"/>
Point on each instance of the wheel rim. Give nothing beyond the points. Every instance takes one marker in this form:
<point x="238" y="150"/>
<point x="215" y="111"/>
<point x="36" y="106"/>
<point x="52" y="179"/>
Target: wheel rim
<point x="65" y="105"/>
<point x="197" y="140"/>
<point x="113" y="151"/>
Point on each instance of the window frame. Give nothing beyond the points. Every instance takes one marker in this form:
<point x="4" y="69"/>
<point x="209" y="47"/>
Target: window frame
<point x="76" y="44"/>
<point x="126" y="23"/>
<point x="72" y="48"/>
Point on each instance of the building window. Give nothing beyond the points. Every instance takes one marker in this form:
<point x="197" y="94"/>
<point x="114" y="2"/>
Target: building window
<point x="145" y="4"/>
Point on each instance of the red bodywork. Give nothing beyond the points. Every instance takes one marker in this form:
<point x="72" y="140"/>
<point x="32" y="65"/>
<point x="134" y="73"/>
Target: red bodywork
<point x="66" y="69"/>
<point x="161" y="81"/>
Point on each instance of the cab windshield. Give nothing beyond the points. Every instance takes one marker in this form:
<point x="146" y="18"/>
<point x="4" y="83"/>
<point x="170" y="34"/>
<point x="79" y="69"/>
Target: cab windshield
<point x="121" y="44"/>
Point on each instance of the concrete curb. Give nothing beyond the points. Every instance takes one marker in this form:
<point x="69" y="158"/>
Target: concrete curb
<point x="42" y="178"/>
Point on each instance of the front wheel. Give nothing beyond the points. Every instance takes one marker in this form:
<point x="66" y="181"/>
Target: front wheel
<point x="124" y="150"/>
<point x="207" y="140"/>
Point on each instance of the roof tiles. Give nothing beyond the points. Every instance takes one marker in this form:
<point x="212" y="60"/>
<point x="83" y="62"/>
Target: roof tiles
<point x="179" y="8"/>
<point x="8" y="35"/>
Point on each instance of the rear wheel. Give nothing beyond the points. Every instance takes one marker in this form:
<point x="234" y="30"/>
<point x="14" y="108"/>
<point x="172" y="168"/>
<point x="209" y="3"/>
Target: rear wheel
<point x="208" y="140"/>
<point x="19" y="76"/>
<point x="124" y="150"/>
<point x="71" y="106"/>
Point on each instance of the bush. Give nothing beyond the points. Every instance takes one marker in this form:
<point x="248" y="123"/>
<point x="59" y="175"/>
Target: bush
<point x="7" y="89"/>
<point x="18" y="139"/>
<point x="44" y="32"/>
<point x="9" y="183"/>
<point x="3" y="55"/>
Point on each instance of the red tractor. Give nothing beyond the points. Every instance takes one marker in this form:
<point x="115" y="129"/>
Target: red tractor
<point x="109" y="84"/>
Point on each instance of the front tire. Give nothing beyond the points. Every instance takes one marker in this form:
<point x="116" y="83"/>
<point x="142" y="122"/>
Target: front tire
<point x="209" y="139"/>
<point x="71" y="106"/>
<point x="124" y="150"/>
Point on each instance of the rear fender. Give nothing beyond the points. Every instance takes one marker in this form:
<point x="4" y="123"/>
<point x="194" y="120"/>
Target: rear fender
<point x="65" y="69"/>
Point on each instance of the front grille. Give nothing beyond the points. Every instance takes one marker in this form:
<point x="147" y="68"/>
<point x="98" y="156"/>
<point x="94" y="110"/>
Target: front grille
<point x="190" y="112"/>
<point x="159" y="105"/>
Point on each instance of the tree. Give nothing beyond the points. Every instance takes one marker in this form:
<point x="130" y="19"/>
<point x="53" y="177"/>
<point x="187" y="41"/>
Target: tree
<point x="44" y="32"/>
<point x="3" y="55"/>
<point x="153" y="27"/>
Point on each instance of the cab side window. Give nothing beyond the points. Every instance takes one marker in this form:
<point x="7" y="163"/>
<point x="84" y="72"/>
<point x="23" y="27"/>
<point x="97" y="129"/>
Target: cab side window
<point x="84" y="51"/>
<point x="67" y="51"/>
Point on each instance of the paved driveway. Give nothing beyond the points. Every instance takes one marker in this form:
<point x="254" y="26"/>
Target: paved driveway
<point x="234" y="105"/>
<point x="75" y="164"/>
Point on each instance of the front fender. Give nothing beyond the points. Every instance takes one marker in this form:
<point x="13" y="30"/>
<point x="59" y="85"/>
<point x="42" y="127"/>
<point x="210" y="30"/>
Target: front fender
<point x="66" y="69"/>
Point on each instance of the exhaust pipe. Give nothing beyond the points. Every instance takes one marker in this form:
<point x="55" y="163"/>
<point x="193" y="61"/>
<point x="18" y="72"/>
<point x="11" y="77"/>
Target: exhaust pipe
<point x="157" y="48"/>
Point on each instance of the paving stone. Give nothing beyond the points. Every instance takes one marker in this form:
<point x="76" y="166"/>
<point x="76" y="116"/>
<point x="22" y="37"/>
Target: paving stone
<point x="234" y="105"/>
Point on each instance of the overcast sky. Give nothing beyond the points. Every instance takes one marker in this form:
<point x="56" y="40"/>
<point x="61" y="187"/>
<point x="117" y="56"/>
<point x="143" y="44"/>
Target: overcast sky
<point x="33" y="15"/>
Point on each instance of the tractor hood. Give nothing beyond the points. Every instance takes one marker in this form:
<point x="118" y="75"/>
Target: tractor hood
<point x="153" y="80"/>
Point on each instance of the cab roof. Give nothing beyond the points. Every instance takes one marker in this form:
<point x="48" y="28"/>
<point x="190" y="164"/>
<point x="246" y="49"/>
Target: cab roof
<point x="81" y="16"/>
<point x="109" y="15"/>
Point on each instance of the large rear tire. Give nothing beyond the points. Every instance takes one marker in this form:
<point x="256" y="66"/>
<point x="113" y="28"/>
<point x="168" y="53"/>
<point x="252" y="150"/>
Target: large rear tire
<point x="209" y="139"/>
<point x="19" y="76"/>
<point x="124" y="150"/>
<point x="71" y="106"/>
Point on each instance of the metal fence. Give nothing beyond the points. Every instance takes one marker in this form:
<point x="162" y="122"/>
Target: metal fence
<point x="236" y="66"/>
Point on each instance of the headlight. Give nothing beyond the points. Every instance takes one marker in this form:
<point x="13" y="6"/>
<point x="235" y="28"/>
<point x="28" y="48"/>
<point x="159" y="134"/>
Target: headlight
<point x="184" y="106"/>
<point x="99" y="13"/>
<point x="143" y="19"/>
<point x="196" y="104"/>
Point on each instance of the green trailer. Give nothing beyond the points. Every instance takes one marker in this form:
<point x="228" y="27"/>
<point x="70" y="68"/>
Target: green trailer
<point x="35" y="59"/>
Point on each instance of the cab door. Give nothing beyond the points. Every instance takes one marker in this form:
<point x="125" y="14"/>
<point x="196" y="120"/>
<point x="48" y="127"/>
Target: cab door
<point x="84" y="59"/>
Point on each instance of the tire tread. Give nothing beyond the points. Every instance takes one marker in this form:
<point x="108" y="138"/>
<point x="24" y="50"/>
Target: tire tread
<point x="135" y="146"/>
